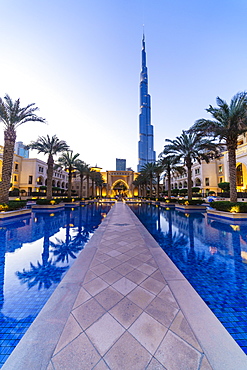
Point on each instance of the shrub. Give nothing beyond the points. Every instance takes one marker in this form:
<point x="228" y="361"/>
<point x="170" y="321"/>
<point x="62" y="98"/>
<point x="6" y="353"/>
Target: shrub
<point x="12" y="205"/>
<point x="43" y="202"/>
<point x="195" y="189"/>
<point x="191" y="202"/>
<point x="224" y="186"/>
<point x="227" y="206"/>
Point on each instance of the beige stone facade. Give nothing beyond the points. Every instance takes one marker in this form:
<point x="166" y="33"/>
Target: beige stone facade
<point x="30" y="173"/>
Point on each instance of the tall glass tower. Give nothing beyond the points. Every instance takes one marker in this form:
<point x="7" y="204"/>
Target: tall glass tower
<point x="146" y="151"/>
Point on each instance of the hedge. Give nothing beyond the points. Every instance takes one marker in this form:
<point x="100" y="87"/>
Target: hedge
<point x="227" y="206"/>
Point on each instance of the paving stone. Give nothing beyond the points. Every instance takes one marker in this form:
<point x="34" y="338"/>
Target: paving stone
<point x="154" y="286"/>
<point x="82" y="297"/>
<point x="79" y="354"/>
<point x="181" y="327"/>
<point x="175" y="354"/>
<point x="147" y="269"/>
<point x="89" y="276"/>
<point x="113" y="262"/>
<point x="111" y="276"/>
<point x="95" y="286"/>
<point x="108" y="298"/>
<point x="148" y="332"/>
<point x="155" y="365"/>
<point x="100" y="269"/>
<point x="161" y="311"/>
<point x="136" y="276"/>
<point x="158" y="276"/>
<point x="101" y="336"/>
<point x="127" y="354"/>
<point x="124" y="286"/>
<point x="141" y="297"/>
<point x="71" y="330"/>
<point x="88" y="313"/>
<point x="167" y="296"/>
<point x="205" y="364"/>
<point x="126" y="312"/>
<point x="124" y="268"/>
<point x="101" y="366"/>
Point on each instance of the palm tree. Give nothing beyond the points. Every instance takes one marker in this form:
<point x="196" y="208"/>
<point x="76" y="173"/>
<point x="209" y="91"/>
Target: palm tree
<point x="158" y="170"/>
<point x="229" y="121"/>
<point x="12" y="116"/>
<point x="68" y="162"/>
<point x="98" y="179"/>
<point x="190" y="147"/>
<point x="148" y="171"/>
<point x="82" y="168"/>
<point x="51" y="146"/>
<point x="171" y="164"/>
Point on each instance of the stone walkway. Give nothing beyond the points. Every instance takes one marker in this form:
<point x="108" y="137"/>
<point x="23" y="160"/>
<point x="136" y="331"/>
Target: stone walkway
<point x="125" y="306"/>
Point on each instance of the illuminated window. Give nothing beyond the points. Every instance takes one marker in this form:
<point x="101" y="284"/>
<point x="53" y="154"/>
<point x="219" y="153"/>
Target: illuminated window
<point x="239" y="175"/>
<point x="220" y="168"/>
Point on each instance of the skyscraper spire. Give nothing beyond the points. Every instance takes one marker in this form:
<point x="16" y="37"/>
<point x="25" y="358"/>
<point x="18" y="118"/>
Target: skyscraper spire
<point x="145" y="145"/>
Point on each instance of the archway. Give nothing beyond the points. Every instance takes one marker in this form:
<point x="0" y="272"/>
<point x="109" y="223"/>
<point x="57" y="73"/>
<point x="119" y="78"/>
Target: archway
<point x="120" y="188"/>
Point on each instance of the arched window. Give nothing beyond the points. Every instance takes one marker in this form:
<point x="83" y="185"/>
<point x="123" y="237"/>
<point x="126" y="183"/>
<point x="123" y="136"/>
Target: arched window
<point x="198" y="182"/>
<point x="239" y="175"/>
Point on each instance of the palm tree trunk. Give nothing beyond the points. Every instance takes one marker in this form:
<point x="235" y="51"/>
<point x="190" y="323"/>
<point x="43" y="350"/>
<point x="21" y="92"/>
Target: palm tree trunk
<point x="232" y="173"/>
<point x="189" y="165"/>
<point x="50" y="164"/>
<point x="87" y="185"/>
<point x="8" y="154"/>
<point x="69" y="183"/>
<point x="81" y="185"/>
<point x="158" y="186"/>
<point x="169" y="193"/>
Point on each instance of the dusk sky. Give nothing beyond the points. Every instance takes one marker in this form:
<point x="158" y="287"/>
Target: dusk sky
<point x="80" y="62"/>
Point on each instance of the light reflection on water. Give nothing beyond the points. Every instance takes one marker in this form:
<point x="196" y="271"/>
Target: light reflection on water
<point x="212" y="256"/>
<point x="35" y="253"/>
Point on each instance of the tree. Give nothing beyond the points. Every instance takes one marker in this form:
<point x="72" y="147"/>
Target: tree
<point x="224" y="186"/>
<point x="158" y="170"/>
<point x="148" y="171"/>
<point x="51" y="146"/>
<point x="171" y="164"/>
<point x="229" y="121"/>
<point x="12" y="116"/>
<point x="98" y="179"/>
<point x="68" y="162"/>
<point x="82" y="168"/>
<point x="189" y="147"/>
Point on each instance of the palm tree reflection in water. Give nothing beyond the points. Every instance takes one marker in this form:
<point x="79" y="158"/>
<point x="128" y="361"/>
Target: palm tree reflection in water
<point x="50" y="271"/>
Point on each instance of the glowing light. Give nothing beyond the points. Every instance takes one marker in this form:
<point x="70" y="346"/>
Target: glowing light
<point x="186" y="203"/>
<point x="213" y="250"/>
<point x="187" y="215"/>
<point x="52" y="214"/>
<point x="71" y="225"/>
<point x="52" y="202"/>
<point x="234" y="209"/>
<point x="235" y="227"/>
<point x="244" y="255"/>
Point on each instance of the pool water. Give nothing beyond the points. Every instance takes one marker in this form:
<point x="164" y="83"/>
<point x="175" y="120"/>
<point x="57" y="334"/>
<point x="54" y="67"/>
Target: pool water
<point x="211" y="254"/>
<point x="35" y="253"/>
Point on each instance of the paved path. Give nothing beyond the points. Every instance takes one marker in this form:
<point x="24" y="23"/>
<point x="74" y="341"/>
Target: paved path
<point x="123" y="305"/>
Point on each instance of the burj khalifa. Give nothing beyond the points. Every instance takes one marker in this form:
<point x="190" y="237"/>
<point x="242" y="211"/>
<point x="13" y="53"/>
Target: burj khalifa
<point x="146" y="151"/>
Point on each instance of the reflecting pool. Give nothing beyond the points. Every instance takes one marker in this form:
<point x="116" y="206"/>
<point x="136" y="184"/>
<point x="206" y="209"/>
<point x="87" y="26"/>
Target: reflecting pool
<point x="35" y="253"/>
<point x="212" y="255"/>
